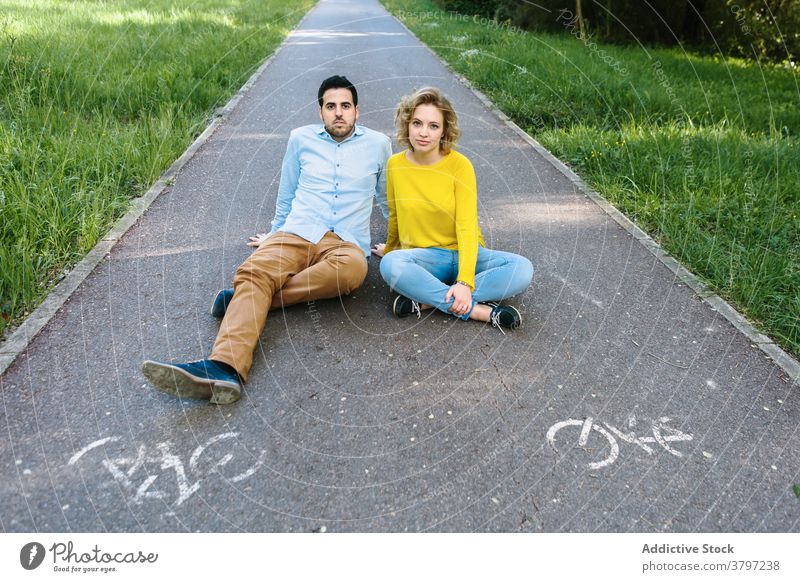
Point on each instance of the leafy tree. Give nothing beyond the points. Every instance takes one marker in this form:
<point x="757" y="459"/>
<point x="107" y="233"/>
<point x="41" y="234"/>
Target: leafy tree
<point x="764" y="29"/>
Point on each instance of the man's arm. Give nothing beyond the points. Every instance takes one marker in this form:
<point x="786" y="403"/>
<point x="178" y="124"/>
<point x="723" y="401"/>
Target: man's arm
<point x="290" y="176"/>
<point x="380" y="187"/>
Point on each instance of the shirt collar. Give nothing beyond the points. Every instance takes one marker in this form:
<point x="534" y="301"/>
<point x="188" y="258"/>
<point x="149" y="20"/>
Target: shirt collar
<point x="325" y="135"/>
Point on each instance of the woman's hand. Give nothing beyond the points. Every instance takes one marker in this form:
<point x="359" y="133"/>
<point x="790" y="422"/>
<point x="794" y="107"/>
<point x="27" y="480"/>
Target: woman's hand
<point x="462" y="299"/>
<point x="377" y="250"/>
<point x="258" y="239"/>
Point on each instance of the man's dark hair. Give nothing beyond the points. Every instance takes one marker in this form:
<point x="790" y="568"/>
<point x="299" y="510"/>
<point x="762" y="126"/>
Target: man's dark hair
<point x="337" y="82"/>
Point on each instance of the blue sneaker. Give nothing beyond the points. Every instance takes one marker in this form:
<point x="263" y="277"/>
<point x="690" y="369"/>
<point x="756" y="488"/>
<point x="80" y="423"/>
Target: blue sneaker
<point x="208" y="379"/>
<point x="221" y="301"/>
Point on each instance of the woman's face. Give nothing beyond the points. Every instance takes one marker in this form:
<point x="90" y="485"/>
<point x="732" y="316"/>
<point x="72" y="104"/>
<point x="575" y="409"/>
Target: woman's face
<point x="426" y="128"/>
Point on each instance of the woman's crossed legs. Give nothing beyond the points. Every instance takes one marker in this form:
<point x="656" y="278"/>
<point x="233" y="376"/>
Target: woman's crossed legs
<point x="425" y="275"/>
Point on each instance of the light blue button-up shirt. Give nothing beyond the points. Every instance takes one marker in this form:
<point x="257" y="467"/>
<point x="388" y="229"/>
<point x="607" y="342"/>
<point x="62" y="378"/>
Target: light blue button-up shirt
<point x="329" y="186"/>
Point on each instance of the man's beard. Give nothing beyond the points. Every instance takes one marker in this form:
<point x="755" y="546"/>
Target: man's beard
<point x="340" y="130"/>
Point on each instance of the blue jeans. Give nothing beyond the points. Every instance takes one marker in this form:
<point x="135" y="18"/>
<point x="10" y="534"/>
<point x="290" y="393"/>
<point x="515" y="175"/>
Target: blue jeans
<point x="425" y="275"/>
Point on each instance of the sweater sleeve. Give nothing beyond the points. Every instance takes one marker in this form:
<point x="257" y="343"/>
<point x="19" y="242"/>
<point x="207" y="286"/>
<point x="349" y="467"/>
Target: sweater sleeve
<point x="392" y="239"/>
<point x="466" y="194"/>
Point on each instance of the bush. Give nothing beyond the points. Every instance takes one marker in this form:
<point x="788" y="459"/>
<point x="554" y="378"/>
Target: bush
<point x="765" y="29"/>
<point x="484" y="8"/>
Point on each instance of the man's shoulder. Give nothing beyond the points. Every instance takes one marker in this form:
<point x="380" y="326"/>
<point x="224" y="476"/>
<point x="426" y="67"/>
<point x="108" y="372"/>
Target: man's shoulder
<point x="305" y="130"/>
<point x="371" y="134"/>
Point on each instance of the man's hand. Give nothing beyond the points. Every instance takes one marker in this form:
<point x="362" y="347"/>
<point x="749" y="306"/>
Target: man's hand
<point x="462" y="299"/>
<point x="377" y="250"/>
<point x="258" y="239"/>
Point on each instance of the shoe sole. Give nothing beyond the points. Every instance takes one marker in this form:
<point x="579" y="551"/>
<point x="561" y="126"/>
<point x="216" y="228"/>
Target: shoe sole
<point x="177" y="382"/>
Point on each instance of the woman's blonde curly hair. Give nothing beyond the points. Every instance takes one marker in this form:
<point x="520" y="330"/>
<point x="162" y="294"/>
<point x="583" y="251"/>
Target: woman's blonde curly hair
<point x="427" y="95"/>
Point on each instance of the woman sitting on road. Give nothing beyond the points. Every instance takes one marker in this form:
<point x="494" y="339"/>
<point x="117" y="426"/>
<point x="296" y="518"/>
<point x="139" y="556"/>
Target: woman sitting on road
<point x="435" y="255"/>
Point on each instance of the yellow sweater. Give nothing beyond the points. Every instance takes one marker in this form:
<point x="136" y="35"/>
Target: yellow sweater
<point x="435" y="206"/>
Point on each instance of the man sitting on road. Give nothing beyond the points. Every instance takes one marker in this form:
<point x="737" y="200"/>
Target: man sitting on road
<point x="317" y="247"/>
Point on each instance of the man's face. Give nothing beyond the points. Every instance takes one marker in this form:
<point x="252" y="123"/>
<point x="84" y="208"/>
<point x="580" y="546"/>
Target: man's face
<point x="338" y="113"/>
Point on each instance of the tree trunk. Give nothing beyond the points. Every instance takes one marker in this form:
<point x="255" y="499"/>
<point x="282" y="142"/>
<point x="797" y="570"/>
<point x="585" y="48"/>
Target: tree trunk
<point x="579" y="16"/>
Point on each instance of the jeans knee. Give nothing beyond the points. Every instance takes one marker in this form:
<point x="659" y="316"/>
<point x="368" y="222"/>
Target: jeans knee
<point x="386" y="266"/>
<point x="392" y="267"/>
<point x="523" y="275"/>
<point x="527" y="269"/>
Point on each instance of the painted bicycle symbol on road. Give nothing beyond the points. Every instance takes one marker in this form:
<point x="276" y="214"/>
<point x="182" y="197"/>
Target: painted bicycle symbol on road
<point x="136" y="474"/>
<point x="662" y="435"/>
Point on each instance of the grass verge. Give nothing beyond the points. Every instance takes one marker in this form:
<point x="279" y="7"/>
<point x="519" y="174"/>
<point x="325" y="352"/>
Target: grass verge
<point x="97" y="99"/>
<point x="703" y="153"/>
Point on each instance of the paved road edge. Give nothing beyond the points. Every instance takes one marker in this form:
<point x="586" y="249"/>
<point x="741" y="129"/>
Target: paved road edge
<point x="22" y="336"/>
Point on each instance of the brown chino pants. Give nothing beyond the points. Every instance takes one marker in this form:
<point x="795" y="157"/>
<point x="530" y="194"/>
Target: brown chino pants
<point x="284" y="270"/>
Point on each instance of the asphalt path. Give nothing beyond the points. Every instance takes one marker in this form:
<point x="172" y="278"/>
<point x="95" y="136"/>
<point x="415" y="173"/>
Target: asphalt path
<point x="624" y="403"/>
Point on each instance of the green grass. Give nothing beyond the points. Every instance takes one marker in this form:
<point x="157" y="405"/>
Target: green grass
<point x="702" y="153"/>
<point x="96" y="100"/>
